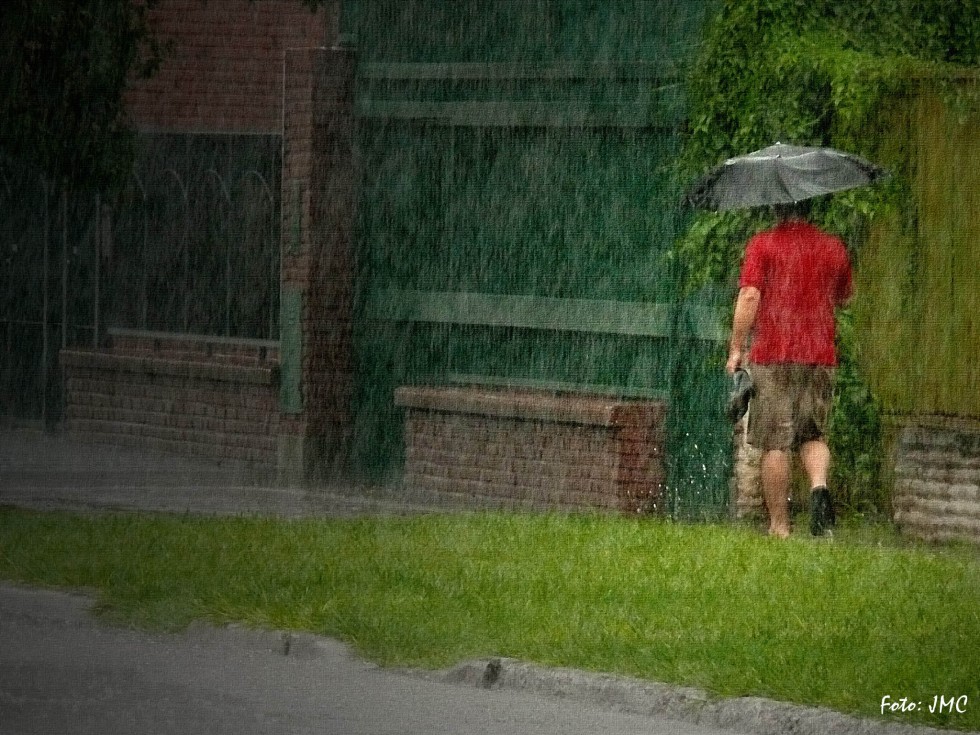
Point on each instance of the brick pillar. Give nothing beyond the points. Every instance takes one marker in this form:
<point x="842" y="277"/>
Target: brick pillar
<point x="317" y="262"/>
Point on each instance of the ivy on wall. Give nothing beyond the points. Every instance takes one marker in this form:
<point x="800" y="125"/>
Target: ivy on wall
<point x="817" y="72"/>
<point x="809" y="72"/>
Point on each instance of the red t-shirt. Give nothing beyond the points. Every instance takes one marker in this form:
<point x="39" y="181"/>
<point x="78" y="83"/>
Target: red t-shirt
<point x="803" y="274"/>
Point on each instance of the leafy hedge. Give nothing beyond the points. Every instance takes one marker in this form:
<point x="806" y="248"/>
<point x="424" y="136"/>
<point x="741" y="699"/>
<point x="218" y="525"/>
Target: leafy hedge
<point x="65" y="66"/>
<point x="817" y="72"/>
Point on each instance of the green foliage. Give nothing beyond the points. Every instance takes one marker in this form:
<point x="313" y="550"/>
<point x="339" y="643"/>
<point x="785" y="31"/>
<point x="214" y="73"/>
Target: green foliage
<point x="856" y="437"/>
<point x="65" y="66"/>
<point x="918" y="281"/>
<point x="815" y="72"/>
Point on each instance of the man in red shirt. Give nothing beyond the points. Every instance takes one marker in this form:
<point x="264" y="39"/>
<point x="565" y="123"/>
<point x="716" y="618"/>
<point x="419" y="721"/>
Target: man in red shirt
<point x="793" y="278"/>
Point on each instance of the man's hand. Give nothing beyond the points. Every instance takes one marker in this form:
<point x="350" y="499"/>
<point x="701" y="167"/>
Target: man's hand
<point x="734" y="361"/>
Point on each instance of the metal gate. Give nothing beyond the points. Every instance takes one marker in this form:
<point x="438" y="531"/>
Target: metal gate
<point x="50" y="290"/>
<point x="190" y="244"/>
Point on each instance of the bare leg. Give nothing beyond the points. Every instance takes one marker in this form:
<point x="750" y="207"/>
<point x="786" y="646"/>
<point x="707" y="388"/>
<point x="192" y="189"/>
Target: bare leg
<point x="775" y="469"/>
<point x="816" y="461"/>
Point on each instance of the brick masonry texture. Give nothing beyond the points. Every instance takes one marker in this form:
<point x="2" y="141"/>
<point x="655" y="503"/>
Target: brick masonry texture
<point x="190" y="396"/>
<point x="318" y="189"/>
<point x="245" y="66"/>
<point x="224" y="65"/>
<point x="535" y="447"/>
<point x="937" y="482"/>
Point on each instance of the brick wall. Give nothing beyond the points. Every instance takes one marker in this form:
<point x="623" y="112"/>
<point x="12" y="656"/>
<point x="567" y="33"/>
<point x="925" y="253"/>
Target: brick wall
<point x="215" y="398"/>
<point x="317" y="260"/>
<point x="224" y="65"/>
<point x="937" y="481"/>
<point x="249" y="66"/>
<point x="535" y="447"/>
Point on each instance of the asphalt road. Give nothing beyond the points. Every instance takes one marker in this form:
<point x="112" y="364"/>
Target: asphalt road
<point x="63" y="671"/>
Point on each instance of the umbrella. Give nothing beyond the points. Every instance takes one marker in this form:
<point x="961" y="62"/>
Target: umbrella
<point x="781" y="174"/>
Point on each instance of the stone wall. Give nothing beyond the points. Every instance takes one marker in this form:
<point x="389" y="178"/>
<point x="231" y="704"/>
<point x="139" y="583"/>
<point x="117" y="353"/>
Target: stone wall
<point x="746" y="488"/>
<point x="535" y="447"/>
<point x="209" y="397"/>
<point x="937" y="481"/>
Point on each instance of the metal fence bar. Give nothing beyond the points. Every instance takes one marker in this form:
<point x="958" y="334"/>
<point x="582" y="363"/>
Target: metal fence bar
<point x="44" y="306"/>
<point x="144" y="251"/>
<point x="96" y="298"/>
<point x="192" y="254"/>
<point x="192" y="338"/>
<point x="64" y="267"/>
<point x="272" y="244"/>
<point x="184" y="249"/>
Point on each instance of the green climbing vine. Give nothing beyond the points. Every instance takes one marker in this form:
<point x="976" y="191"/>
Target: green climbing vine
<point x="817" y="72"/>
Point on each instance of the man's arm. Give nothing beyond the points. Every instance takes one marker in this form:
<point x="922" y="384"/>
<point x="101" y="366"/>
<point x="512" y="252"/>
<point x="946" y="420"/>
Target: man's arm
<point x="746" y="308"/>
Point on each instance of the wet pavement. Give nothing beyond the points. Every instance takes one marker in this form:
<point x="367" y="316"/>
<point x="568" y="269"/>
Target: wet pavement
<point x="53" y="471"/>
<point x="61" y="671"/>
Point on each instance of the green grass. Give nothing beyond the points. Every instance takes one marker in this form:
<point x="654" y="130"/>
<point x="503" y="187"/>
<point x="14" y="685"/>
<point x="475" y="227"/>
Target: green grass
<point x="720" y="607"/>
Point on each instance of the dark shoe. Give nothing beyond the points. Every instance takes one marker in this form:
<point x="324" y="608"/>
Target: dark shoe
<point x="742" y="391"/>
<point x="822" y="517"/>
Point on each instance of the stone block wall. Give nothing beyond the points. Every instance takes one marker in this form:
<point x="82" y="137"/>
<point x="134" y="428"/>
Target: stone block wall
<point x="937" y="482"/>
<point x="746" y="488"/>
<point x="207" y="397"/>
<point x="535" y="447"/>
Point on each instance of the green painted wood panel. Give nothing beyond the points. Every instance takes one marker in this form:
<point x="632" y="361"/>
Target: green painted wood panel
<point x="524" y="114"/>
<point x="489" y="72"/>
<point x="517" y="204"/>
<point x="539" y="312"/>
<point x="291" y="350"/>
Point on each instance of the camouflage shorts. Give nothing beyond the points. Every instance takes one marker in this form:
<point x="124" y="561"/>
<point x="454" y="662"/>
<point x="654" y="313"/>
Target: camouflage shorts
<point x="791" y="405"/>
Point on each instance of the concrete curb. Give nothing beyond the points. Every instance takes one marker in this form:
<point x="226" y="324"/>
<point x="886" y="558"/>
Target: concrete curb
<point x="755" y="715"/>
<point x="298" y="645"/>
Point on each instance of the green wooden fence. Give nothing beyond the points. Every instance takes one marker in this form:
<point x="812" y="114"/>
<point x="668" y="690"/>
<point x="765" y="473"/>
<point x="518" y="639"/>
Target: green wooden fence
<point x="918" y="278"/>
<point x="517" y="206"/>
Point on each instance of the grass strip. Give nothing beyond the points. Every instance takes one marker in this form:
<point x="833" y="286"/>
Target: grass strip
<point x="837" y="624"/>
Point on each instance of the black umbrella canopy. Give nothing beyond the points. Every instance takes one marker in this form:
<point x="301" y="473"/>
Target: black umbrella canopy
<point x="781" y="174"/>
